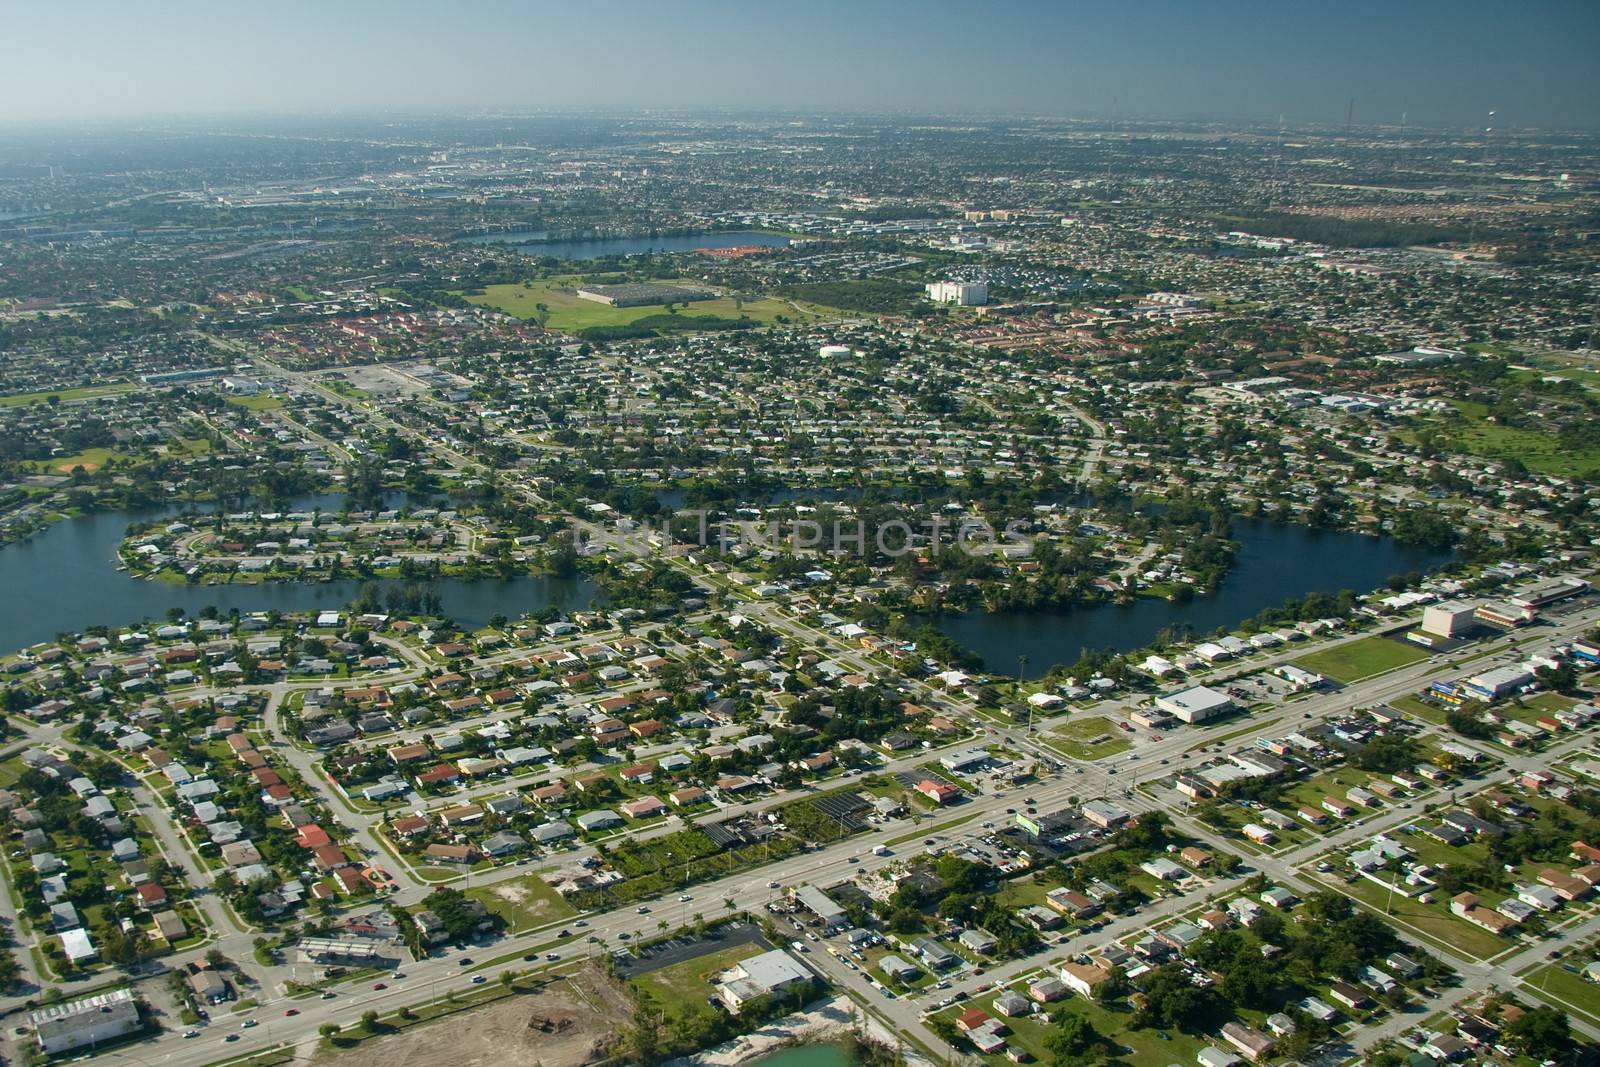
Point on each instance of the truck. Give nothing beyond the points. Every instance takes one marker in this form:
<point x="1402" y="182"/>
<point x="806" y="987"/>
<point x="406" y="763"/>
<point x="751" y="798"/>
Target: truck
<point x="880" y="850"/>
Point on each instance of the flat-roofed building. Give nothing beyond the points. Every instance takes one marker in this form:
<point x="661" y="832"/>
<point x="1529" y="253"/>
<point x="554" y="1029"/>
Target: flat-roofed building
<point x="829" y="916"/>
<point x="82" y="1023"/>
<point x="1196" y="704"/>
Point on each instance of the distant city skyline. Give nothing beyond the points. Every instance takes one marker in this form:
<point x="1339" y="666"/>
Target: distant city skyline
<point x="1427" y="63"/>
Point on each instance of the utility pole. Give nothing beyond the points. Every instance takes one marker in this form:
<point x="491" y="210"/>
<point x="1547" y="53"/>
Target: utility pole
<point x="1022" y="670"/>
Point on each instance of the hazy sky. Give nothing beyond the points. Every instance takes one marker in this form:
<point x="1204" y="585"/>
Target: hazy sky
<point x="1441" y="62"/>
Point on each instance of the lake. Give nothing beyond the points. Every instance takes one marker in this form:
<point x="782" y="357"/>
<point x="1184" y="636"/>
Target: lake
<point x="806" y="1056"/>
<point x="65" y="579"/>
<point x="538" y="243"/>
<point x="1274" y="563"/>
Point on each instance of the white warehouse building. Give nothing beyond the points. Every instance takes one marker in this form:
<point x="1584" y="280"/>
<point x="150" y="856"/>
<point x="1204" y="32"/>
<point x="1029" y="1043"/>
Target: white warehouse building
<point x="967" y="294"/>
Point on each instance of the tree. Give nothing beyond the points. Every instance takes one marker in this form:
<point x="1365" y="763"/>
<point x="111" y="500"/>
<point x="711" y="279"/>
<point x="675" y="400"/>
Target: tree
<point x="1171" y="999"/>
<point x="1072" y="1038"/>
<point x="643" y="1038"/>
<point x="369" y="1021"/>
<point x="1541" y="1033"/>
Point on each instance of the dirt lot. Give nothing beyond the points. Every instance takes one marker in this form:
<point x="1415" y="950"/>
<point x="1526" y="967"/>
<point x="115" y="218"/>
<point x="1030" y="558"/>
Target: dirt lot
<point x="506" y="1033"/>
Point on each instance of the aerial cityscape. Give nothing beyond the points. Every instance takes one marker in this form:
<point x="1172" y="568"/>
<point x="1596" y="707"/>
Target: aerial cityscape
<point x="890" y="548"/>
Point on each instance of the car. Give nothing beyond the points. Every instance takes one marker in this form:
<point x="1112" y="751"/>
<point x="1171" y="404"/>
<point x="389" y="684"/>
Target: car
<point x="564" y="933"/>
<point x="248" y="1023"/>
<point x="855" y="859"/>
<point x="191" y="1033"/>
<point x="292" y="1011"/>
<point x="230" y="1037"/>
<point x="328" y="994"/>
<point x="478" y="979"/>
<point x="552" y="956"/>
<point x="581" y="923"/>
<point x="464" y="961"/>
<point x="623" y="936"/>
<point x="772" y="885"/>
<point x="1011" y="811"/>
<point x="685" y="897"/>
<point x="380" y="985"/>
<point x="643" y="909"/>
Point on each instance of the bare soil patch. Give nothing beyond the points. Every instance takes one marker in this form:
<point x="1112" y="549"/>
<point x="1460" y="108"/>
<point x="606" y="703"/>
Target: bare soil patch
<point x="564" y="1025"/>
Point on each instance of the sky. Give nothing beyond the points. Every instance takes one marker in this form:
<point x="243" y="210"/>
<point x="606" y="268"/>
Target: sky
<point x="1534" y="62"/>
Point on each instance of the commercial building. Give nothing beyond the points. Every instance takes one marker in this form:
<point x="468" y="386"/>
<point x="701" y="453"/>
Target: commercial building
<point x="641" y="295"/>
<point x="1506" y="616"/>
<point x="1502" y="681"/>
<point x="1196" y="704"/>
<point x="345" y="950"/>
<point x="1449" y="620"/>
<point x="829" y="916"/>
<point x="80" y="1023"/>
<point x="964" y="760"/>
<point x="772" y="974"/>
<point x="1551" y="593"/>
<point x="1105" y="814"/>
<point x="966" y="294"/>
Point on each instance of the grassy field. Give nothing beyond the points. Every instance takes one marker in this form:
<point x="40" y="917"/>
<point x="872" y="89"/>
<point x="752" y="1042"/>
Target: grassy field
<point x="1355" y="660"/>
<point x="1473" y="433"/>
<point x="260" y="402"/>
<point x="684" y="987"/>
<point x="570" y="312"/>
<point x="523" y="903"/>
<point x="1419" y="708"/>
<point x="1429" y="922"/>
<point x="90" y="459"/>
<point x="22" y="399"/>
<point x="1089" y="739"/>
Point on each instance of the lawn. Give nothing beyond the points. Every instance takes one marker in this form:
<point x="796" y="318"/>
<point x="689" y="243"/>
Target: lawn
<point x="1142" y="1046"/>
<point x="524" y="902"/>
<point x="1354" y="660"/>
<point x="1089" y="739"/>
<point x="684" y="987"/>
<point x="1571" y="991"/>
<point x="570" y="312"/>
<point x="84" y="393"/>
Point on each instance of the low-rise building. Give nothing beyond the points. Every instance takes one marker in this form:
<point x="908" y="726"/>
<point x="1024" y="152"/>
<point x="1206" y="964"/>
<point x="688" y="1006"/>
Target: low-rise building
<point x="85" y="1023"/>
